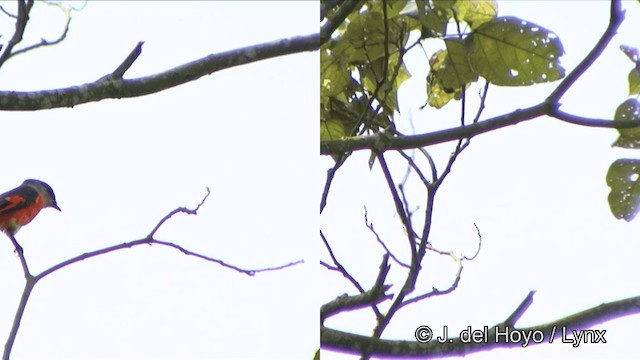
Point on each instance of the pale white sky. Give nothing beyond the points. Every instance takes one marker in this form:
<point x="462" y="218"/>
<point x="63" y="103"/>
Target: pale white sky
<point x="118" y="166"/>
<point x="536" y="190"/>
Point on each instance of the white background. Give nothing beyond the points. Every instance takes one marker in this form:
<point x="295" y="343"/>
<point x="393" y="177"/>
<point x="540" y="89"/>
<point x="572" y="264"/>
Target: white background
<point x="118" y="166"/>
<point x="537" y="191"/>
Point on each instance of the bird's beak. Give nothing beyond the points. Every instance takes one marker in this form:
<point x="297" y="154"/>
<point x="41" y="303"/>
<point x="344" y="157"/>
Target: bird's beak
<point x="55" y="206"/>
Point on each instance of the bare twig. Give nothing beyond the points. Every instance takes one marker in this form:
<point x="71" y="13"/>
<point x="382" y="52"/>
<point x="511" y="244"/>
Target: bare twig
<point x="24" y="8"/>
<point x="126" y="64"/>
<point x="331" y="173"/>
<point x="436" y="292"/>
<point x="7" y="13"/>
<point x="479" y="244"/>
<point x="178" y="210"/>
<point x="353" y="302"/>
<point x="20" y="251"/>
<point x="384" y="246"/>
<point x="338" y="266"/>
<point x="372" y="297"/>
<point x="520" y="310"/>
<point x="44" y="42"/>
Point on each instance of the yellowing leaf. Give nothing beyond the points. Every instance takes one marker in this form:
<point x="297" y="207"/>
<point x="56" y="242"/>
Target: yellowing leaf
<point x="475" y="12"/>
<point x="331" y="130"/>
<point x="334" y="77"/>
<point x="623" y="179"/>
<point x="455" y="71"/>
<point x="450" y="72"/>
<point x="513" y="52"/>
<point x="630" y="137"/>
<point x="634" y="82"/>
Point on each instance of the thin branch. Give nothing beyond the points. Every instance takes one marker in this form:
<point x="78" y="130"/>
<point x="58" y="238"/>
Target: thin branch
<point x="479" y="244"/>
<point x="22" y="305"/>
<point x="372" y="297"/>
<point x="7" y="13"/>
<point x="520" y="310"/>
<point x="590" y="122"/>
<point x="436" y="292"/>
<point x="178" y="210"/>
<point x="615" y="19"/>
<point x="400" y="209"/>
<point x="369" y="226"/>
<point x="348" y="303"/>
<point x="382" y="275"/>
<point x="44" y="42"/>
<point x="331" y="173"/>
<point x="338" y="266"/>
<point x="126" y="88"/>
<point x="20" y="251"/>
<point x="412" y="165"/>
<point x="483" y="98"/>
<point x="126" y="64"/>
<point x="24" y="8"/>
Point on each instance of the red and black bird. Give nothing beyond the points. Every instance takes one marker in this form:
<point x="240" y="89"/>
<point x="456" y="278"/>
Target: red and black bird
<point x="21" y="205"/>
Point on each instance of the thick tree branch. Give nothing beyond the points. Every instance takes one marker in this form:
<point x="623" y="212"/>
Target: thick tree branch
<point x="115" y="88"/>
<point x="549" y="332"/>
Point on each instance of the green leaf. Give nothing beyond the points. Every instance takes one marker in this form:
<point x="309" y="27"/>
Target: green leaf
<point x="334" y="76"/>
<point x="456" y="71"/>
<point x="475" y="12"/>
<point x="634" y="82"/>
<point x="437" y="94"/>
<point x="331" y="130"/>
<point x="513" y="52"/>
<point x="366" y="34"/>
<point x="630" y="137"/>
<point x="623" y="179"/>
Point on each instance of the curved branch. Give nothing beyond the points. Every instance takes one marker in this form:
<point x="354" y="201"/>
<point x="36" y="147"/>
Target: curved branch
<point x="372" y="142"/>
<point x="357" y="344"/>
<point x="114" y="88"/>
<point x="615" y="19"/>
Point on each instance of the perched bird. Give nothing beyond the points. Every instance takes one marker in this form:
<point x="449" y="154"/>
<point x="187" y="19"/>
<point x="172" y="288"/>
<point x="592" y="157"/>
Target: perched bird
<point x="21" y="205"/>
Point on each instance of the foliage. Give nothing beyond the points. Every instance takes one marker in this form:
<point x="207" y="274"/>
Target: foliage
<point x="362" y="66"/>
<point x="622" y="177"/>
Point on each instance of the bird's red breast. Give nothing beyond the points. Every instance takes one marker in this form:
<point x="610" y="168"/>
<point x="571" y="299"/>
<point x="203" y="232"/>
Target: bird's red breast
<point x="18" y="207"/>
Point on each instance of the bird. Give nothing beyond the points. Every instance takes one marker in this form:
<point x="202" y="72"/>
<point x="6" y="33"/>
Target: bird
<point x="21" y="205"/>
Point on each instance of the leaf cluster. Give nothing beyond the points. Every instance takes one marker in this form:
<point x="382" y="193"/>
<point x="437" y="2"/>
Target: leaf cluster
<point x="623" y="176"/>
<point x="362" y="64"/>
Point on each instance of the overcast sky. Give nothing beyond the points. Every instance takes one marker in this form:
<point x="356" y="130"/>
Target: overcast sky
<point x="536" y="190"/>
<point x="118" y="166"/>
